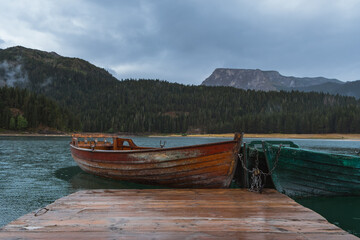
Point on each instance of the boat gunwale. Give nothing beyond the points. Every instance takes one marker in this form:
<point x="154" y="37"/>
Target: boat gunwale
<point x="155" y="149"/>
<point x="314" y="151"/>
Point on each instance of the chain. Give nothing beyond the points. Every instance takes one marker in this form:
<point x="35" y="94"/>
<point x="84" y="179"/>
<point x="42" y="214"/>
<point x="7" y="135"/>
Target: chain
<point x="243" y="164"/>
<point x="256" y="181"/>
<point x="275" y="162"/>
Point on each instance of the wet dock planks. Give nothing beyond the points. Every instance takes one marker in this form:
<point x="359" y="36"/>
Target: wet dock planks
<point x="173" y="214"/>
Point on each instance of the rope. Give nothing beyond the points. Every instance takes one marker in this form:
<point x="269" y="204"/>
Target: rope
<point x="162" y="145"/>
<point x="41" y="211"/>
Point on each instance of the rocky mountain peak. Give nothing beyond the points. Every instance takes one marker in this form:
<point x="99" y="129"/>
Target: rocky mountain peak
<point x="257" y="79"/>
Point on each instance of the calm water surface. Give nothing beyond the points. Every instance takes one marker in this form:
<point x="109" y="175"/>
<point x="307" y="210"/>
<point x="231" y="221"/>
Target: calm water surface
<point x="35" y="171"/>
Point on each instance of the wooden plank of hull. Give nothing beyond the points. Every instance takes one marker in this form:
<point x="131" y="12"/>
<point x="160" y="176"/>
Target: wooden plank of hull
<point x="125" y="165"/>
<point x="210" y="174"/>
<point x="301" y="173"/>
<point x="317" y="181"/>
<point x="190" y="175"/>
<point x="208" y="165"/>
<point x="168" y="173"/>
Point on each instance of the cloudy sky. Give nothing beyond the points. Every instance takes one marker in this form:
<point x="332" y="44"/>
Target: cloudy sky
<point x="185" y="40"/>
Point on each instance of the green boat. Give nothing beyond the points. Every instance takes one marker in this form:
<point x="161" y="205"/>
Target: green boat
<point x="253" y="157"/>
<point x="303" y="173"/>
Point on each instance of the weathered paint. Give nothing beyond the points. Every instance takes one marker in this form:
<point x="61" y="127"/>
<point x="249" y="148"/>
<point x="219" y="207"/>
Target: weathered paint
<point x="199" y="166"/>
<point x="302" y="173"/>
<point x="174" y="214"/>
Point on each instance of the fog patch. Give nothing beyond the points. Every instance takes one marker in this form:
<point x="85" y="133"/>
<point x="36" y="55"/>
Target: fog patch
<point x="12" y="75"/>
<point x="46" y="82"/>
<point x="112" y="72"/>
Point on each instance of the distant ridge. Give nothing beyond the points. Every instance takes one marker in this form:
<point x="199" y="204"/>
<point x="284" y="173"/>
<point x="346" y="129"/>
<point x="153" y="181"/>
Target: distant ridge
<point x="257" y="79"/>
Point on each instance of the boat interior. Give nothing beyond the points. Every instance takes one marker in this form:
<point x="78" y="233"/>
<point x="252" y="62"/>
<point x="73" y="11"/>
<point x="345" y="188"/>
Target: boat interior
<point x="104" y="142"/>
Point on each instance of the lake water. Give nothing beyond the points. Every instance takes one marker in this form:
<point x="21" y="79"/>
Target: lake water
<point x="35" y="171"/>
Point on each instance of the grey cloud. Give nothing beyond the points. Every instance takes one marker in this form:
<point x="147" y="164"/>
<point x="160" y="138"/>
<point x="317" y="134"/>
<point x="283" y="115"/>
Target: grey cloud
<point x="184" y="41"/>
<point x="2" y="43"/>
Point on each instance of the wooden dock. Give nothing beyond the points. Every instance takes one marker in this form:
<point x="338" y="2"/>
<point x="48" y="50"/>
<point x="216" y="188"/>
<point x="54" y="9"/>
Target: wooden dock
<point x="173" y="214"/>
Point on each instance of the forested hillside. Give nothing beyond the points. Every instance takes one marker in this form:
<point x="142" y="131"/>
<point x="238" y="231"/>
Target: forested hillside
<point x="22" y="110"/>
<point x="156" y="106"/>
<point x="104" y="104"/>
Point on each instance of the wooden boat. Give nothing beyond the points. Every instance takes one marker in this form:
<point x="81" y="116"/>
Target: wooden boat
<point x="200" y="166"/>
<point x="303" y="173"/>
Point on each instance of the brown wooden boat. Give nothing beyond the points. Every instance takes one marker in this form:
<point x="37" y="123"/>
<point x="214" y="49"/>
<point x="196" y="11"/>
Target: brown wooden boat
<point x="199" y="166"/>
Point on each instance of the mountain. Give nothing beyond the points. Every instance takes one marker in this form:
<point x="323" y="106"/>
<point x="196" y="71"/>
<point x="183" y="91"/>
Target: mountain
<point x="274" y="81"/>
<point x="260" y="80"/>
<point x="351" y="89"/>
<point x="72" y="82"/>
<point x="41" y="71"/>
<point x="102" y="103"/>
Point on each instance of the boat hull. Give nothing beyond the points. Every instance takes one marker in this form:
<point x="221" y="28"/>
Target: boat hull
<point x="304" y="173"/>
<point x="199" y="166"/>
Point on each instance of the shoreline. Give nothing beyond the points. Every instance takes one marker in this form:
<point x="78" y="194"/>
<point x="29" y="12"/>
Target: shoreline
<point x="274" y="135"/>
<point x="33" y="135"/>
<point x="222" y="135"/>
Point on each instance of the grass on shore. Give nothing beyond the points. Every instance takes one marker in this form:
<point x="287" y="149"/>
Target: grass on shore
<point x="224" y="135"/>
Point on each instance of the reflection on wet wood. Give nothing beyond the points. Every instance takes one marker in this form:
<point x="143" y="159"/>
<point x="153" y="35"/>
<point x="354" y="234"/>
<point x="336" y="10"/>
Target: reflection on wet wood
<point x="173" y="214"/>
